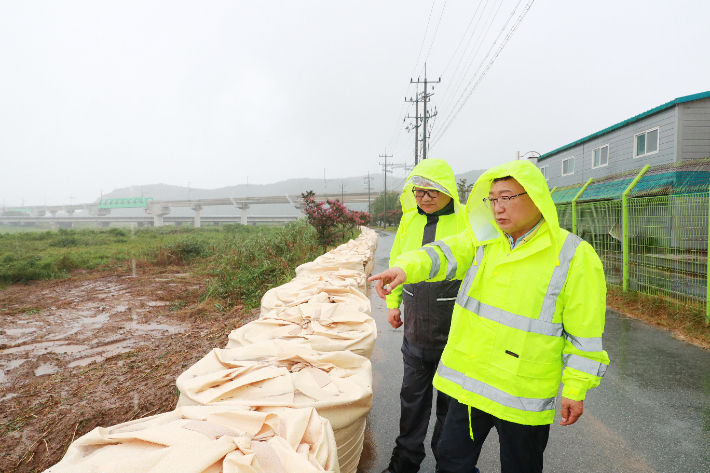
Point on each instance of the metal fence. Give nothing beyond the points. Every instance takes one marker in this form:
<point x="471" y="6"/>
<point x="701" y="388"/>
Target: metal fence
<point x="661" y="251"/>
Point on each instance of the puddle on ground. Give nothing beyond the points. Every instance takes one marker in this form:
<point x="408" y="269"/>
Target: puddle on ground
<point x="37" y="348"/>
<point x="155" y="326"/>
<point x="46" y="368"/>
<point x="101" y="353"/>
<point x="19" y="331"/>
<point x="70" y="348"/>
<point x="15" y="364"/>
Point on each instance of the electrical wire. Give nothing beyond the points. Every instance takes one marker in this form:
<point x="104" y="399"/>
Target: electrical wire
<point x="395" y="135"/>
<point x="466" y="95"/>
<point x="435" y="32"/>
<point x="478" y="43"/>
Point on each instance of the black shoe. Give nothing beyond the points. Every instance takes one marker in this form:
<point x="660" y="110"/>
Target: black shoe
<point x="437" y="470"/>
<point x="398" y="464"/>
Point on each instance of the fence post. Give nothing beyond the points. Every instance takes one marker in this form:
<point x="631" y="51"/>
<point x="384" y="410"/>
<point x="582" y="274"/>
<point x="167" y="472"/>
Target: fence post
<point x="625" y="228"/>
<point x="574" y="204"/>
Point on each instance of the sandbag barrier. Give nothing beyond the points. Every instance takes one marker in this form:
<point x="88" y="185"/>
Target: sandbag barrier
<point x="287" y="392"/>
<point x="201" y="439"/>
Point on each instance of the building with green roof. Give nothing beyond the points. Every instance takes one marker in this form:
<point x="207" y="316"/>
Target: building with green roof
<point x="668" y="135"/>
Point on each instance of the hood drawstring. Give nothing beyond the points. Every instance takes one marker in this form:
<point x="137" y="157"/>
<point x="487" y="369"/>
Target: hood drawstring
<point x="470" y="428"/>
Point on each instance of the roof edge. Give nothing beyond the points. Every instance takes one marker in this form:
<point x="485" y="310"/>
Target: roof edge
<point x="660" y="108"/>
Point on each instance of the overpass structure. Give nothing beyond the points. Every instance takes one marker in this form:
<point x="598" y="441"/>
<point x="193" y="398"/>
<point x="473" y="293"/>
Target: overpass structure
<point x="158" y="210"/>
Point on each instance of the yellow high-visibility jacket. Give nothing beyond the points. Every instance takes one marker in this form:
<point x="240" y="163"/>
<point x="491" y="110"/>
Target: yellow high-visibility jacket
<point x="428" y="305"/>
<point x="524" y="318"/>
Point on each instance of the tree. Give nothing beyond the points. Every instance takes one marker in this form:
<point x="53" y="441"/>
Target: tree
<point x="394" y="208"/>
<point x="331" y="219"/>
<point x="464" y="190"/>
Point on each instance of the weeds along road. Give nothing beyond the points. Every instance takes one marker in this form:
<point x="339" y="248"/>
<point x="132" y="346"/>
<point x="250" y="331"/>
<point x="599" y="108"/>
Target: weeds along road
<point x="651" y="412"/>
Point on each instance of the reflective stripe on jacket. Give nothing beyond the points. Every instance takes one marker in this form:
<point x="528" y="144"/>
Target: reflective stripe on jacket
<point x="523" y="318"/>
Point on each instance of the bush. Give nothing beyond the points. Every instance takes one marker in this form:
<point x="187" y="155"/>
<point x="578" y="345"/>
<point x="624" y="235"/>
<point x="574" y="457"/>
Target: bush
<point x="331" y="219"/>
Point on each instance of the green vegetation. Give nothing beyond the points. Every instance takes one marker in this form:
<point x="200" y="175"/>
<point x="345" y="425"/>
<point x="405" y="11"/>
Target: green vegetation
<point x="239" y="262"/>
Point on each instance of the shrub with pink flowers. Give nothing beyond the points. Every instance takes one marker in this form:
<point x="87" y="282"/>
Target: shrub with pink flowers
<point x="332" y="219"/>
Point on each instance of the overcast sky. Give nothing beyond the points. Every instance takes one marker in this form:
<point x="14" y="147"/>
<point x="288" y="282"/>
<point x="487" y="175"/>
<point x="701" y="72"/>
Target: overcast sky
<point x="101" y="95"/>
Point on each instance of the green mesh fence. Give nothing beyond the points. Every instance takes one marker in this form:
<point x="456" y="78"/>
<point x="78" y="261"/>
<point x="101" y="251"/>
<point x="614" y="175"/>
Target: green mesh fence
<point x="668" y="243"/>
<point x="599" y="223"/>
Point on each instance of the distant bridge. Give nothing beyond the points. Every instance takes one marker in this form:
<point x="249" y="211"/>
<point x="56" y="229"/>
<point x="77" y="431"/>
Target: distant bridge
<point x="141" y="221"/>
<point x="158" y="210"/>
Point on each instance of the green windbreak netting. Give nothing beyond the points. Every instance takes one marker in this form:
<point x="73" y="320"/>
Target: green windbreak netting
<point x="686" y="177"/>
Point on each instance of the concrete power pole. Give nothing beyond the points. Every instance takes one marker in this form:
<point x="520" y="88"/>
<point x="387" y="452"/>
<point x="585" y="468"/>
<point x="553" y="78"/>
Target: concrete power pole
<point x="367" y="181"/>
<point x="426" y="115"/>
<point x="416" y="125"/>
<point x="385" y="169"/>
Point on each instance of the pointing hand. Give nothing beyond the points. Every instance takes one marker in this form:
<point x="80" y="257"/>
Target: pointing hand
<point x="388" y="280"/>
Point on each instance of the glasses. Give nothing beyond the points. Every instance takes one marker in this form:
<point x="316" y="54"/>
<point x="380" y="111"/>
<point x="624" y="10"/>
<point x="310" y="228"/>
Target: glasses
<point x="421" y="192"/>
<point x="503" y="200"/>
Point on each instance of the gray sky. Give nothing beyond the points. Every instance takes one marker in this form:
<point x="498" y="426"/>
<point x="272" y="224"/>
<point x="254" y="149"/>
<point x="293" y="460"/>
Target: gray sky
<point x="100" y="95"/>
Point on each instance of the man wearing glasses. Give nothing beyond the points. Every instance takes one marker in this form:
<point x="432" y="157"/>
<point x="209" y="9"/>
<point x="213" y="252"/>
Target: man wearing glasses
<point x="530" y="312"/>
<point x="430" y="212"/>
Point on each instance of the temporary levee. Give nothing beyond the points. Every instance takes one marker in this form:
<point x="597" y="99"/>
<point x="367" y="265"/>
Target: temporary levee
<point x="274" y="373"/>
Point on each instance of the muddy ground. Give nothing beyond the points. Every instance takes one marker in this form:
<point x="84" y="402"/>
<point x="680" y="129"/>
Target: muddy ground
<point x="96" y="350"/>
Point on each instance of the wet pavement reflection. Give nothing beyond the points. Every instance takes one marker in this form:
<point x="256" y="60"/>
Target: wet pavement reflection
<point x="651" y="412"/>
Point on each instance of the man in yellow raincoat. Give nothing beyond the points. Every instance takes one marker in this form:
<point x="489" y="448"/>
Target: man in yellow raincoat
<point x="530" y="312"/>
<point x="430" y="212"/>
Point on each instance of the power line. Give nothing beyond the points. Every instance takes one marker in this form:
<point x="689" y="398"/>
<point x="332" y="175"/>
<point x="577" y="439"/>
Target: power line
<point x="435" y="31"/>
<point x="457" y="81"/>
<point x="398" y="129"/>
<point x="463" y="100"/>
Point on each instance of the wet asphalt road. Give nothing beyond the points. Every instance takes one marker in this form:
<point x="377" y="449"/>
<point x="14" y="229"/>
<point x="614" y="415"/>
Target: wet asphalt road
<point x="651" y="412"/>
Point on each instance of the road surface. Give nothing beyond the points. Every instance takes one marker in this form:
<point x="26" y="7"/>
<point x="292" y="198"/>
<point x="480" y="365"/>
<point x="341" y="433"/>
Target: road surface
<point x="651" y="412"/>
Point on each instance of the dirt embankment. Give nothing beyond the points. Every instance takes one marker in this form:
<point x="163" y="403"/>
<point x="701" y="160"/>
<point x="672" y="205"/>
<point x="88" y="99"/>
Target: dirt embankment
<point x="96" y="351"/>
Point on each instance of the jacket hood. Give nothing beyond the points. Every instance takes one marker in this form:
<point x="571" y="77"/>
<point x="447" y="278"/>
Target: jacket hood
<point x="480" y="218"/>
<point x="430" y="174"/>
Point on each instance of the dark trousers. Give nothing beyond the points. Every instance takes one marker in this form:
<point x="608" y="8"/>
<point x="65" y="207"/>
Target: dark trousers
<point x="521" y="446"/>
<point x="416" y="399"/>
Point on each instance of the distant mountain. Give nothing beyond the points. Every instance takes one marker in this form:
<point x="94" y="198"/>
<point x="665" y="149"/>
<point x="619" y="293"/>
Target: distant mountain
<point x="290" y="186"/>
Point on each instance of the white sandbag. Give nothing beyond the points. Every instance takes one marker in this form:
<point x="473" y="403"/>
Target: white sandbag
<point x="352" y="262"/>
<point x="302" y="291"/>
<point x="325" y="327"/>
<point x="209" y="439"/>
<point x="279" y="373"/>
<point x="336" y="277"/>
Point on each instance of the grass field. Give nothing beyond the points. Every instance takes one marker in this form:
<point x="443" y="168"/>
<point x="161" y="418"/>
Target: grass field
<point x="207" y="282"/>
<point x="241" y="262"/>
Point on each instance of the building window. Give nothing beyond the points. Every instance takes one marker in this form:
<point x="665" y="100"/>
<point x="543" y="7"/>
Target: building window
<point x="600" y="156"/>
<point x="646" y="143"/>
<point x="568" y="166"/>
<point x="543" y="170"/>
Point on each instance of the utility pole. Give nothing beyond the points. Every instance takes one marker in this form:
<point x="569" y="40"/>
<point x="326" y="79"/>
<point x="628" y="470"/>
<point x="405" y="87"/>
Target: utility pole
<point x="367" y="181"/>
<point x="385" y="170"/>
<point x="426" y="115"/>
<point x="415" y="127"/>
<point x="342" y="192"/>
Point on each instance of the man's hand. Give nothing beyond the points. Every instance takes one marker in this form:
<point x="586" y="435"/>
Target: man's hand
<point x="388" y="280"/>
<point x="571" y="411"/>
<point x="394" y="318"/>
